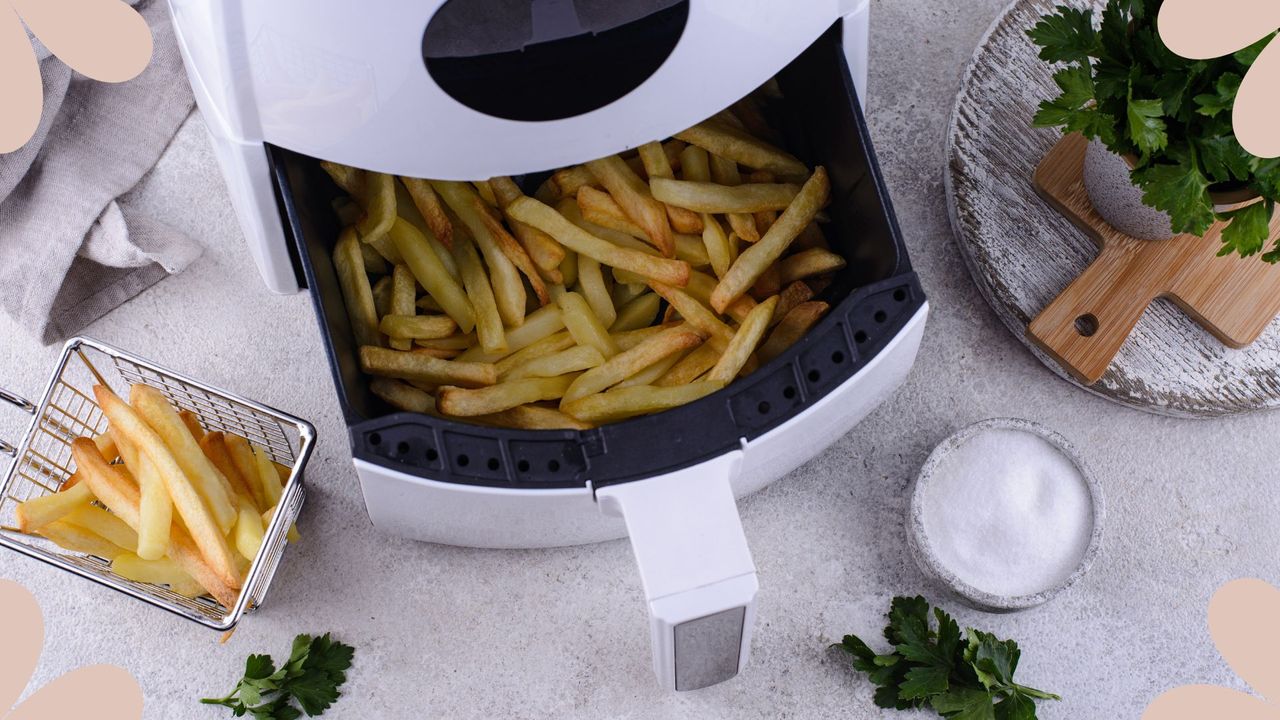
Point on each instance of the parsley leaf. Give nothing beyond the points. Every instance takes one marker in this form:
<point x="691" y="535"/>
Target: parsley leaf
<point x="1066" y="35"/>
<point x="1249" y="229"/>
<point x="1181" y="191"/>
<point x="961" y="677"/>
<point x="1145" y="126"/>
<point x="316" y="669"/>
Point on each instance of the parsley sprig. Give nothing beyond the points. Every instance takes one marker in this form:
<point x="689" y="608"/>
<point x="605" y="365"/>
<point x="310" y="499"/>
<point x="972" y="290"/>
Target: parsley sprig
<point x="960" y="677"/>
<point x="316" y="669"/>
<point x="1120" y="84"/>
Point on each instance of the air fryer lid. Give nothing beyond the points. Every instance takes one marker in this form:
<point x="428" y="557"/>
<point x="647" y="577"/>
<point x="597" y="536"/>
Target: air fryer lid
<point x="872" y="299"/>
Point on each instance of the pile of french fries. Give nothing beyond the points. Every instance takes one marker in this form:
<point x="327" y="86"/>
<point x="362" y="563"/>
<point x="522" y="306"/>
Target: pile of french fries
<point x="163" y="500"/>
<point x="628" y="285"/>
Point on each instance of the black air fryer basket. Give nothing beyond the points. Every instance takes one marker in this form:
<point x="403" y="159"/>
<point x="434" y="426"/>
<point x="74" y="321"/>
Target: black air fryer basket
<point x="871" y="300"/>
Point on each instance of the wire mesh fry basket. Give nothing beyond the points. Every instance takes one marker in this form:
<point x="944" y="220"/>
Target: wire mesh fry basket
<point x="66" y="411"/>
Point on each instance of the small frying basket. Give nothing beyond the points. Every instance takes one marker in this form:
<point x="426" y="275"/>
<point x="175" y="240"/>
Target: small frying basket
<point x="43" y="462"/>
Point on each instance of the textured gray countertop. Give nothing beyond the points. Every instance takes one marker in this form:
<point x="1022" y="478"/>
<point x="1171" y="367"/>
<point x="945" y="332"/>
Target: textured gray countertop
<point x="453" y="632"/>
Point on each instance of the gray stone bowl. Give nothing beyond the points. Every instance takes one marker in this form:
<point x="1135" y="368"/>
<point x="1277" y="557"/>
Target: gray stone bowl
<point x="929" y="563"/>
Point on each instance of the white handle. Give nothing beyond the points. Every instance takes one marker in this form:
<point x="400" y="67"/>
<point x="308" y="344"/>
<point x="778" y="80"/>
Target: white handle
<point x="698" y="575"/>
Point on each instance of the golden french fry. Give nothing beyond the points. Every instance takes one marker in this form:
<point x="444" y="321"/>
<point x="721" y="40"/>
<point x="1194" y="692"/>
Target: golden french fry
<point x="107" y="445"/>
<point x="94" y="518"/>
<point x="725" y="172"/>
<point x="691" y="367"/>
<point x="81" y="540"/>
<point x="657" y="164"/>
<point x="200" y="473"/>
<point x="292" y="535"/>
<point x="654" y="372"/>
<point x="538" y="325"/>
<point x="769" y="283"/>
<point x="697" y="314"/>
<point x="575" y="359"/>
<point x="489" y="330"/>
<point x="428" y="303"/>
<point x="382" y="298"/>
<point x="508" y="290"/>
<point x="190" y="420"/>
<point x="111" y="487"/>
<point x="379" y="200"/>
<point x="532" y="212"/>
<point x="248" y="532"/>
<point x="631" y="338"/>
<point x="591" y="280"/>
<point x="516" y="253"/>
<point x="404" y="293"/>
<point x="267" y="476"/>
<point x="811" y="237"/>
<point x="214" y="446"/>
<point x="599" y="208"/>
<point x="791" y="296"/>
<point x="567" y="182"/>
<point x="155" y="508"/>
<point x="715" y="198"/>
<point x="702" y="285"/>
<point x="430" y="272"/>
<point x="463" y="402"/>
<point x="358" y="296"/>
<point x="415" y="366"/>
<point x="629" y="362"/>
<point x="453" y="342"/>
<point x="534" y="417"/>
<point x="744" y="343"/>
<point x="791" y="328"/>
<point x="628" y="402"/>
<point x="717" y="243"/>
<point x="748" y="112"/>
<point x="403" y="396"/>
<point x="246" y="466"/>
<point x="755" y="260"/>
<point x="639" y="312"/>
<point x="428" y="205"/>
<point x="348" y="178"/>
<point x="633" y="196"/>
<point x="807" y="263"/>
<point x="546" y="346"/>
<point x="418" y="327"/>
<point x="156" y="572"/>
<point x="584" y="325"/>
<point x="547" y="254"/>
<point x="33" y="514"/>
<point x="764" y="219"/>
<point x="719" y="138"/>
<point x="695" y="164"/>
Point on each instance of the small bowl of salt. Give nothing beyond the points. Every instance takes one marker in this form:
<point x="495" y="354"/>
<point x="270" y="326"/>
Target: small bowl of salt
<point x="1005" y="514"/>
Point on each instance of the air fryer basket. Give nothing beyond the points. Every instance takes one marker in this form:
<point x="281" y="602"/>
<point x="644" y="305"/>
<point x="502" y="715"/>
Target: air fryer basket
<point x="872" y="299"/>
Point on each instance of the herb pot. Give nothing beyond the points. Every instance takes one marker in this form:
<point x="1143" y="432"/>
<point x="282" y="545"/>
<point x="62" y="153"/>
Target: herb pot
<point x="1119" y="201"/>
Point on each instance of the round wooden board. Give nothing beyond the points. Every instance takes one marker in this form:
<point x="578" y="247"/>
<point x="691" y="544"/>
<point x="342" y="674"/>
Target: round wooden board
<point x="1022" y="253"/>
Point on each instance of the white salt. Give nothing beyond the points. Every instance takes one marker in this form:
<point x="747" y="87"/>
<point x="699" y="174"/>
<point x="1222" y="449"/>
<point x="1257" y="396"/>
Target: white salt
<point x="1008" y="513"/>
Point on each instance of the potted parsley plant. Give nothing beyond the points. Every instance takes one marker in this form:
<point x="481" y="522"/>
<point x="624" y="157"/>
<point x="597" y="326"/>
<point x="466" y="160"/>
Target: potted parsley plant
<point x="1163" y="158"/>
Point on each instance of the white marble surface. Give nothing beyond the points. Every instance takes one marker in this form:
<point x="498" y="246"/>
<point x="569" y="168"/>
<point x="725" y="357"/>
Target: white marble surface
<point x="449" y="632"/>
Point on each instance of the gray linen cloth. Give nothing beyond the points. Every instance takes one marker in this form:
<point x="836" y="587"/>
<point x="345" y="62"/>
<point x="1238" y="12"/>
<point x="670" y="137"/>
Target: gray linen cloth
<point x="71" y="246"/>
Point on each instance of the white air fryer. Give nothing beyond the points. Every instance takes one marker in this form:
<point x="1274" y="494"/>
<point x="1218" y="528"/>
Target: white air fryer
<point x="469" y="89"/>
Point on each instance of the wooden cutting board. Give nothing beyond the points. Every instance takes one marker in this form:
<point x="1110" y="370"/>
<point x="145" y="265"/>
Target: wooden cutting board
<point x="1234" y="298"/>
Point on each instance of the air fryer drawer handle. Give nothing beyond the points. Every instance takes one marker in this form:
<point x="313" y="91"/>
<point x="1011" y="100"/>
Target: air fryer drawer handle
<point x="698" y="575"/>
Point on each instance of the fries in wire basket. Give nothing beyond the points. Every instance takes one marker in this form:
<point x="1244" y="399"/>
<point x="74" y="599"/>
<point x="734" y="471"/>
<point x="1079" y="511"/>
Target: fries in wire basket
<point x="628" y="285"/>
<point x="162" y="500"/>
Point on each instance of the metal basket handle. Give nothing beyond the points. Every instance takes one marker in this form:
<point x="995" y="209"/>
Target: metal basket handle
<point x="22" y="404"/>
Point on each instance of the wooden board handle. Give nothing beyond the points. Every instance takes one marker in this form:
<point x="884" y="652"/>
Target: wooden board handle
<point x="1085" y="326"/>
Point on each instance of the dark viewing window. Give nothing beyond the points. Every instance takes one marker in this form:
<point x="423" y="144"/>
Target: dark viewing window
<point x="538" y="60"/>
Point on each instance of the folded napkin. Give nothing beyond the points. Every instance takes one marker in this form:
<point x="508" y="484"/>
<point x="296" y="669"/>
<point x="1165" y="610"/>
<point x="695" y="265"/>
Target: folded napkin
<point x="71" y="246"/>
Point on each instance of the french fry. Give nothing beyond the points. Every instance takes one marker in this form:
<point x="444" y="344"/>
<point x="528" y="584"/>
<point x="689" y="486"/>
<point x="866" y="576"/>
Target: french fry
<point x="538" y="325"/>
<point x="292" y="535"/>
<point x="690" y="367"/>
<point x="567" y="182"/>
<point x="453" y="342"/>
<point x="658" y="165"/>
<point x="428" y="205"/>
<point x="717" y="243"/>
<point x="629" y="362"/>
<point x="489" y="330"/>
<point x="697" y="314"/>
<point x="791" y="296"/>
<point x="156" y="572"/>
<point x="547" y="254"/>
<point x="248" y="532"/>
<point x="599" y="208"/>
<point x="769" y="283"/>
<point x="628" y="402"/>
<point x="744" y="343"/>
<point x="110" y="486"/>
<point x="214" y="446"/>
<point x="638" y="313"/>
<point x="807" y="263"/>
<point x="404" y="293"/>
<point x="701" y="286"/>
<point x="532" y="212"/>
<point x="33" y="514"/>
<point x="356" y="293"/>
<point x="811" y="237"/>
<point x="413" y="366"/>
<point x="695" y="164"/>
<point x="348" y="178"/>
<point x="574" y="359"/>
<point x="725" y="172"/>
<point x="246" y="466"/>
<point x="382" y="298"/>
<point x="463" y="402"/>
<point x="200" y="473"/>
<point x="633" y="196"/>
<point x="719" y="138"/>
<point x="403" y="396"/>
<point x="585" y="326"/>
<point x="507" y="288"/>
<point x="792" y="328"/>
<point x="546" y="346"/>
<point x="107" y="445"/>
<point x="104" y="524"/>
<point x="190" y="420"/>
<point x="271" y="488"/>
<point x="430" y="272"/>
<point x="534" y="417"/>
<point x="715" y="198"/>
<point x="81" y="540"/>
<point x="753" y="261"/>
<point x="631" y="338"/>
<point x="591" y="280"/>
<point x="418" y="327"/>
<point x="155" y="507"/>
<point x="654" y="372"/>
<point x="379" y="206"/>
